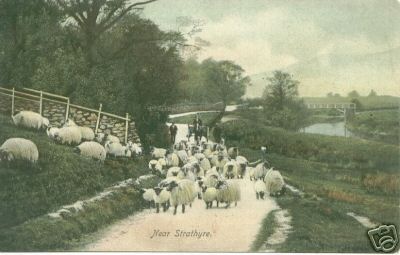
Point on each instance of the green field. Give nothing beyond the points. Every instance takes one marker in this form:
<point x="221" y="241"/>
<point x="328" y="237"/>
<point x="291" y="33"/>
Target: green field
<point x="338" y="176"/>
<point x="368" y="103"/>
<point x="60" y="177"/>
<point x="378" y="125"/>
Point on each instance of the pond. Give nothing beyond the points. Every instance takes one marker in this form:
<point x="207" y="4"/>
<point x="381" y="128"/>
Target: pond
<point x="332" y="129"/>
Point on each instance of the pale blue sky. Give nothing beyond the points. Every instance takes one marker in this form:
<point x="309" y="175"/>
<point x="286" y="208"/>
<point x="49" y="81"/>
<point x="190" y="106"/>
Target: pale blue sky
<point x="262" y="35"/>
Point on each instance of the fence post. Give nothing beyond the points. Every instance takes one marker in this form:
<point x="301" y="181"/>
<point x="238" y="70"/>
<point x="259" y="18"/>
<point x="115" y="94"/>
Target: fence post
<point x="41" y="103"/>
<point x="67" y="110"/>
<point x="12" y="102"/>
<point x="126" y="127"/>
<point x="98" y="119"/>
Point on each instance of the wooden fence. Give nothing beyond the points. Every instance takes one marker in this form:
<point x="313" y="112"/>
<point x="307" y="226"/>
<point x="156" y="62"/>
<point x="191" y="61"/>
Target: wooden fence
<point x="38" y="97"/>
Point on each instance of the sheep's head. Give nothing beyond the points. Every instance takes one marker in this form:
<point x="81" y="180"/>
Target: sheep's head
<point x="204" y="188"/>
<point x="46" y="123"/>
<point x="142" y="191"/>
<point x="230" y="168"/>
<point x="6" y="155"/>
<point x="220" y="184"/>
<point x="157" y="190"/>
<point x="172" y="185"/>
<point x="77" y="150"/>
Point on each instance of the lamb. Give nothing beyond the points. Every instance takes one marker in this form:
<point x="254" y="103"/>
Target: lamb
<point x="135" y="148"/>
<point x="68" y="135"/>
<point x="260" y="188"/>
<point x="30" y="119"/>
<point x="228" y="192"/>
<point x="51" y="132"/>
<point x="19" y="148"/>
<point x="103" y="138"/>
<point x="209" y="195"/>
<point x="230" y="170"/>
<point x="183" y="192"/>
<point x="86" y="132"/>
<point x="274" y="182"/>
<point x="158" y="153"/>
<point x="148" y="195"/>
<point x="161" y="197"/>
<point x="115" y="149"/>
<point x="92" y="150"/>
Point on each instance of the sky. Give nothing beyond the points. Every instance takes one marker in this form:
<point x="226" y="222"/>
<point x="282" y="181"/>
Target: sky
<point x="266" y="35"/>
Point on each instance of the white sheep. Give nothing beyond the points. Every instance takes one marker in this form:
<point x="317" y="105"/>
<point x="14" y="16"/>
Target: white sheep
<point x="242" y="165"/>
<point x="274" y="182"/>
<point x="19" y="148"/>
<point x="209" y="195"/>
<point x="155" y="167"/>
<point x="30" y="119"/>
<point x="103" y="138"/>
<point x="260" y="188"/>
<point x="86" y="132"/>
<point x="163" y="162"/>
<point x="161" y="197"/>
<point x="230" y="170"/>
<point x="175" y="171"/>
<point x="51" y="132"/>
<point x="233" y="152"/>
<point x="92" y="150"/>
<point x="183" y="192"/>
<point x="228" y="192"/>
<point x="260" y="171"/>
<point x="158" y="153"/>
<point x="205" y="164"/>
<point x="148" y="195"/>
<point x="135" y="148"/>
<point x="173" y="159"/>
<point x="68" y="135"/>
<point x="116" y="149"/>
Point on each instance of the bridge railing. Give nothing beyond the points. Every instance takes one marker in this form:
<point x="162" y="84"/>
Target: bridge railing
<point x="331" y="106"/>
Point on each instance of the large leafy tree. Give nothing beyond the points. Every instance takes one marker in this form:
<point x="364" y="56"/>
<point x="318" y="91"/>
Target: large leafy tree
<point x="27" y="30"/>
<point x="93" y="18"/>
<point x="282" y="106"/>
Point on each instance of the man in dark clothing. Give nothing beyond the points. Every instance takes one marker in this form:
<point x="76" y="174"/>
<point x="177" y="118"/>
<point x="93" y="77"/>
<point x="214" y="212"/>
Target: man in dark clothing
<point x="173" y="130"/>
<point x="197" y="126"/>
<point x="217" y="133"/>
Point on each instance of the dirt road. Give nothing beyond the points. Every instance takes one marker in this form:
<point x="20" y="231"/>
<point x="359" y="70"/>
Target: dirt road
<point x="230" y="230"/>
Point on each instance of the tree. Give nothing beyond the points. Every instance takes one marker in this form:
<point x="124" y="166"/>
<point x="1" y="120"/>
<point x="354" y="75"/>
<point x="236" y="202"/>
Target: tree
<point x="95" y="17"/>
<point x="282" y="107"/>
<point x="337" y="95"/>
<point x="353" y="94"/>
<point x="372" y="93"/>
<point x="330" y="94"/>
<point x="225" y="82"/>
<point x="281" y="90"/>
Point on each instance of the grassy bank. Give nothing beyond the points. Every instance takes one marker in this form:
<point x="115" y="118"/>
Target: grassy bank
<point x="368" y="103"/>
<point x="340" y="151"/>
<point x="60" y="177"/>
<point x="321" y="225"/>
<point x="60" y="234"/>
<point x="379" y="125"/>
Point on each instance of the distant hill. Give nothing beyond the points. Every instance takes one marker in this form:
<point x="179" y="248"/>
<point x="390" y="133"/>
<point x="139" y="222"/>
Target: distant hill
<point x="341" y="74"/>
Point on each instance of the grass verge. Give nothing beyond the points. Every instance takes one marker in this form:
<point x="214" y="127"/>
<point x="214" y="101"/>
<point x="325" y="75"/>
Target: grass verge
<point x="268" y="226"/>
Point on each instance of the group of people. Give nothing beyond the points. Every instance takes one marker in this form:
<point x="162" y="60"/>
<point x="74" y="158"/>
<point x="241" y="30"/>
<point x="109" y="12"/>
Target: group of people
<point x="197" y="130"/>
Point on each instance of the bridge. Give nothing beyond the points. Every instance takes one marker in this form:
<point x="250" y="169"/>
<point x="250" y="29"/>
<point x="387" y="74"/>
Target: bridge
<point x="340" y="106"/>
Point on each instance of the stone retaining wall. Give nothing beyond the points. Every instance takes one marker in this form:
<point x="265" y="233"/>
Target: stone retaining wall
<point x="56" y="111"/>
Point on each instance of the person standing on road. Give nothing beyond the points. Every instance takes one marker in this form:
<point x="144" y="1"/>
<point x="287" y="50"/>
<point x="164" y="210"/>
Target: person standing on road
<point x="197" y="126"/>
<point x="173" y="130"/>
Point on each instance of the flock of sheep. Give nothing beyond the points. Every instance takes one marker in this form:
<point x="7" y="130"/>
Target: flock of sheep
<point x="87" y="143"/>
<point x="189" y="171"/>
<point x="208" y="172"/>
